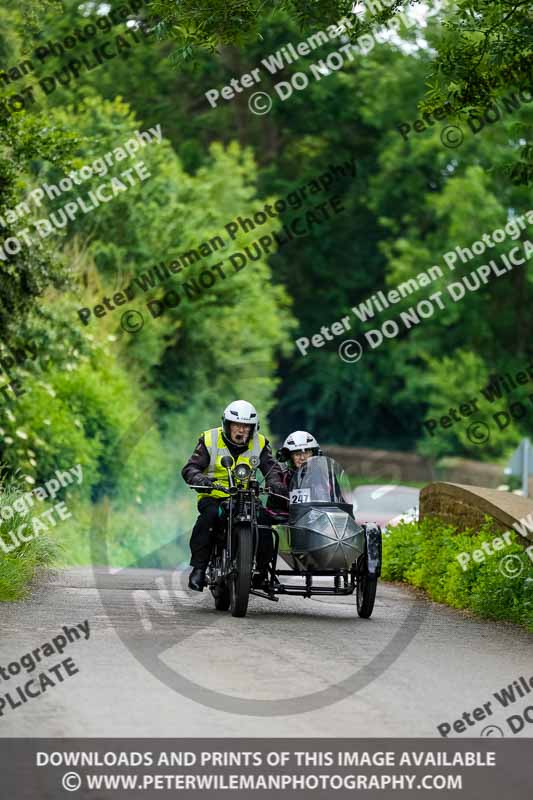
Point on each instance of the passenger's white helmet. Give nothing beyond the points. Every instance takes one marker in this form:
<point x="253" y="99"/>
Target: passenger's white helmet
<point x="299" y="440"/>
<point x="240" y="411"/>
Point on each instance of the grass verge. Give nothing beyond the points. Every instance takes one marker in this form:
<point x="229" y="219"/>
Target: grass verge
<point x="127" y="536"/>
<point x="18" y="561"/>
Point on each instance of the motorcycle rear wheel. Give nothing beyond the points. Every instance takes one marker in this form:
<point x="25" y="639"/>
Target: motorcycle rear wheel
<point x="240" y="582"/>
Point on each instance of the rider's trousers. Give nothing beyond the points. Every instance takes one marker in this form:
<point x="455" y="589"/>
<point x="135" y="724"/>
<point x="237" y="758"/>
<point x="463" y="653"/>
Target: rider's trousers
<point x="205" y="530"/>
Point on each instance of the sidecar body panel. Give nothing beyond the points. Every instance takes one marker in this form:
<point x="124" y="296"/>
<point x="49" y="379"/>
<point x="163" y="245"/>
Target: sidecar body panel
<point x="321" y="538"/>
<point x="321" y="533"/>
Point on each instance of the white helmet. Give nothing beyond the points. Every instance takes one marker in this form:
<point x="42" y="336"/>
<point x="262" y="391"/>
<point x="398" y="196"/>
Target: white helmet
<point x="299" y="440"/>
<point x="240" y="411"/>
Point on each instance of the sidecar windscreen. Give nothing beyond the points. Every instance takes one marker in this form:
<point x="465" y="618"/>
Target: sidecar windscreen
<point x="319" y="480"/>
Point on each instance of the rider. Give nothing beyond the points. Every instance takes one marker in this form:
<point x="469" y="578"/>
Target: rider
<point x="296" y="449"/>
<point x="239" y="437"/>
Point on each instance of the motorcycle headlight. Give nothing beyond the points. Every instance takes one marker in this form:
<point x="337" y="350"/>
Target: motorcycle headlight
<point x="242" y="471"/>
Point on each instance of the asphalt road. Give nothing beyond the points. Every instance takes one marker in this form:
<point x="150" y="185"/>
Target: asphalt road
<point x="383" y="503"/>
<point x="440" y="663"/>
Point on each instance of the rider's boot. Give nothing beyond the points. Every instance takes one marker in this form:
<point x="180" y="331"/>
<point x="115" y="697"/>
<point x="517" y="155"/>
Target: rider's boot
<point x="197" y="579"/>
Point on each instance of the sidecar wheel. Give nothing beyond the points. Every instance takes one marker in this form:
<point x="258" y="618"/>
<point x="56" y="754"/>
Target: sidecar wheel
<point x="366" y="595"/>
<point x="239" y="584"/>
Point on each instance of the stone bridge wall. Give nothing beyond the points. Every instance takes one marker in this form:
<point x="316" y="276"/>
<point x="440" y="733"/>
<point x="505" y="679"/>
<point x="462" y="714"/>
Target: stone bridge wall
<point x="466" y="506"/>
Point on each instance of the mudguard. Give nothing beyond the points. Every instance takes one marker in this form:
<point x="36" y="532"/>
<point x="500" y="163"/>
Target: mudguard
<point x="373" y="548"/>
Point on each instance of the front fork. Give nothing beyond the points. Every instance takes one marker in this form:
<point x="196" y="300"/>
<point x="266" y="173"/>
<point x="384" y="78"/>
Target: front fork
<point x="229" y="554"/>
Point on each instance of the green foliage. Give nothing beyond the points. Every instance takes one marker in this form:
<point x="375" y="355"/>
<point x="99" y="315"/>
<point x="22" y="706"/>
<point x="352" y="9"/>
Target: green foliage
<point x="79" y="416"/>
<point x="210" y="24"/>
<point x="449" y="381"/>
<point x="411" y="202"/>
<point x="26" y="274"/>
<point x="148" y="536"/>
<point x="17" y="567"/>
<point x="425" y="555"/>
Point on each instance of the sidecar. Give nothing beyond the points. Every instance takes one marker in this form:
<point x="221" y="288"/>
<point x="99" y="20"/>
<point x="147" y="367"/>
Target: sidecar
<point x="321" y="538"/>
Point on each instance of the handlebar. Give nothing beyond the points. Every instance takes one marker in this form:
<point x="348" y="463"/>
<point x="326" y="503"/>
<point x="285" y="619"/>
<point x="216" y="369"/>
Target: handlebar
<point x="215" y="487"/>
<point x="233" y="490"/>
<point x="275" y="494"/>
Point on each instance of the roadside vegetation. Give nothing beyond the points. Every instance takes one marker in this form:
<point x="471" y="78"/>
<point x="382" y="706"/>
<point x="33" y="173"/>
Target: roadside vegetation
<point x="18" y="564"/>
<point x="410" y="201"/>
<point x="424" y="554"/>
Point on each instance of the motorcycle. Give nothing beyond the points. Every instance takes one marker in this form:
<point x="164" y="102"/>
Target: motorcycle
<point x="318" y="537"/>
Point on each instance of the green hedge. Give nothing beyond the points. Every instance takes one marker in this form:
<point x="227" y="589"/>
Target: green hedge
<point x="424" y="554"/>
<point x="17" y="567"/>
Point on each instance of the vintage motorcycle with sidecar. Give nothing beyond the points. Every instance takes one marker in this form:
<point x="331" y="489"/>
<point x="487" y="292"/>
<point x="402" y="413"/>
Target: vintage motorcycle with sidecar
<point x="317" y="538"/>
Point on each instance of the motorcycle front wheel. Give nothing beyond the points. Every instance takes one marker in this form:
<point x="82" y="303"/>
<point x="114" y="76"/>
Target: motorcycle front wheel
<point x="240" y="581"/>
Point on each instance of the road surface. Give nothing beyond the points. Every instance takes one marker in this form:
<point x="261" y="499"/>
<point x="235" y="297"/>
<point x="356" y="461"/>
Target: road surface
<point x="383" y="503"/>
<point x="451" y="664"/>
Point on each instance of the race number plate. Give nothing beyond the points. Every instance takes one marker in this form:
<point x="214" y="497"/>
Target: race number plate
<point x="300" y="496"/>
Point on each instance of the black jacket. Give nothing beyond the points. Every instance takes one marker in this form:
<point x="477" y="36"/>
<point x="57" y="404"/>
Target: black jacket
<point x="193" y="471"/>
<point x="277" y="504"/>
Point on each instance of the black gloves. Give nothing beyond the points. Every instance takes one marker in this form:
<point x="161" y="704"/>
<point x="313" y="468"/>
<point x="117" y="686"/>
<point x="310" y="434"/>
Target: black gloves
<point x="204" y="482"/>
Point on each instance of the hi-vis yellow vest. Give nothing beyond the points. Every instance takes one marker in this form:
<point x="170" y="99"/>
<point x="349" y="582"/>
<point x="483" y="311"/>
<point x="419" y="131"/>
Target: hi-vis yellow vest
<point x="217" y="450"/>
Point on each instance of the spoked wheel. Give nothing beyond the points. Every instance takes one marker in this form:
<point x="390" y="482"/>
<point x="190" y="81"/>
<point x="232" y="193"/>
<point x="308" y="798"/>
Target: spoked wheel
<point x="240" y="583"/>
<point x="366" y="594"/>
